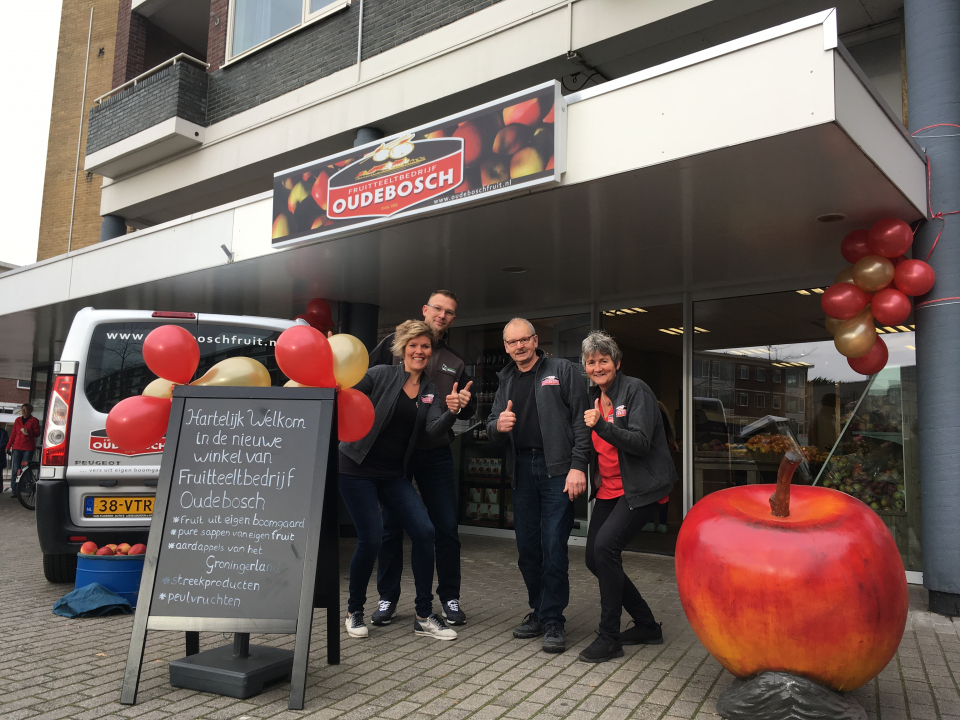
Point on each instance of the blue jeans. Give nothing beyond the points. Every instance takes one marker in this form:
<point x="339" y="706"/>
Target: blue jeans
<point x="542" y="520"/>
<point x="19" y="457"/>
<point x="363" y="498"/>
<point x="433" y="471"/>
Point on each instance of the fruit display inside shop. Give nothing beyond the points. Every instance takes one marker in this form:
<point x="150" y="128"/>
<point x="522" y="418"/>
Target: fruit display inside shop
<point x="110" y="549"/>
<point x="870" y="471"/>
<point x="876" y="419"/>
<point x="773" y="444"/>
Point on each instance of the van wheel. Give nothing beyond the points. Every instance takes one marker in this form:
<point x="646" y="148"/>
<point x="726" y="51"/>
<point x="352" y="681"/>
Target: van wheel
<point x="59" y="568"/>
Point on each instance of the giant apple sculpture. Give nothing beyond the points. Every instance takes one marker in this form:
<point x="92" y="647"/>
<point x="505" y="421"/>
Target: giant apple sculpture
<point x="818" y="591"/>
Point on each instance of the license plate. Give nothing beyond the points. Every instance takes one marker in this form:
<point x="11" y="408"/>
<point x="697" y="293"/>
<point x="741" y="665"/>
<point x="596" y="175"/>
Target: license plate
<point x="118" y="506"/>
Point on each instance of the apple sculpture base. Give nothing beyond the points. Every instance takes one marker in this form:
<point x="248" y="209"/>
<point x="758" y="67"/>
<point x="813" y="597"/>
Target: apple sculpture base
<point x="782" y="696"/>
<point x="807" y="582"/>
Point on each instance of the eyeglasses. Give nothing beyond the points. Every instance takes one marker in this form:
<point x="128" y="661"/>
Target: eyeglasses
<point x="445" y="313"/>
<point x="522" y="341"/>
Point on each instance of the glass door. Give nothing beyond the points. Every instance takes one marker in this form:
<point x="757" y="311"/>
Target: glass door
<point x="651" y="339"/>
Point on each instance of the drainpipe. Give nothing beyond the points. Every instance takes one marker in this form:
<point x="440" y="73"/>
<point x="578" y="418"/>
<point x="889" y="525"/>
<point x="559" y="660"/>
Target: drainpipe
<point x="367" y="135"/>
<point x="932" y="30"/>
<point x="111" y="227"/>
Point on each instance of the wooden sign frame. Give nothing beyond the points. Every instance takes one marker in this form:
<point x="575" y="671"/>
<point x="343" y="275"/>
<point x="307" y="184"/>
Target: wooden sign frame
<point x="320" y="585"/>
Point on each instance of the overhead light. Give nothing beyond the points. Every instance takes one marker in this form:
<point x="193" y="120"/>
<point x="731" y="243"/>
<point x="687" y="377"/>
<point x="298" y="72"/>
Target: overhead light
<point x="910" y="347"/>
<point x="803" y="292"/>
<point x="818" y="291"/>
<point x="699" y="330"/>
<point x="679" y="330"/>
<point x="669" y="331"/>
<point x="514" y="269"/>
<point x="831" y="217"/>
<point x="624" y="311"/>
<point x="638" y="309"/>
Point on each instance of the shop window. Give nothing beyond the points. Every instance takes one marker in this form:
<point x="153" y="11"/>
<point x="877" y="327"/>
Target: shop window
<point x="759" y="401"/>
<point x="776" y="402"/>
<point x="743" y="400"/>
<point x="744" y="372"/>
<point x="255" y="22"/>
<point x="777" y="376"/>
<point x="761" y="375"/>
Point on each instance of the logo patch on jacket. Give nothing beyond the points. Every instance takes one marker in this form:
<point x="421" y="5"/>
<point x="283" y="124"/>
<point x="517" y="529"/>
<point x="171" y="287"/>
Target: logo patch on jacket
<point x="428" y="399"/>
<point x="549" y="380"/>
<point x="446" y="368"/>
<point x="621" y="411"/>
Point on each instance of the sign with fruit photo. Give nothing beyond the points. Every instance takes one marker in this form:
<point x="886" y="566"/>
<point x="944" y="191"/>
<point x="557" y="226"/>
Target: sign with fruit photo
<point x="504" y="146"/>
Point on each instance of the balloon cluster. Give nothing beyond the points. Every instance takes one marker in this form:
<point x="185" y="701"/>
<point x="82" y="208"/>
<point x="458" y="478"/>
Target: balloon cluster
<point x="874" y="287"/>
<point x="318" y="315"/>
<point x="172" y="353"/>
<point x="310" y="359"/>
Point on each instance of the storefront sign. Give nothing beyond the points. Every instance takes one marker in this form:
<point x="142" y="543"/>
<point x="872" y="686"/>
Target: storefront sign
<point x="235" y="537"/>
<point x="508" y="145"/>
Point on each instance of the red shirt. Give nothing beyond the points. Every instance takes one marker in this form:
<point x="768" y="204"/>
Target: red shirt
<point x="19" y="441"/>
<point x="611" y="485"/>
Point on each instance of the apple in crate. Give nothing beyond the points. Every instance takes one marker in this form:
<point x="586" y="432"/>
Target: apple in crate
<point x="105" y="550"/>
<point x="88" y="548"/>
<point x="138" y="549"/>
<point x="112" y="546"/>
<point x="123" y="549"/>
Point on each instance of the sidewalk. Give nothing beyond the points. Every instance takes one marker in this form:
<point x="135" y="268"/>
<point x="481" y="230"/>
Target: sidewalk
<point x="58" y="668"/>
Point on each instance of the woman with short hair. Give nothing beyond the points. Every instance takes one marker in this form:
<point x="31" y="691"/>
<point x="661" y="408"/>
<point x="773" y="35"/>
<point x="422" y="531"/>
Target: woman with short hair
<point x="373" y="472"/>
<point x="633" y="474"/>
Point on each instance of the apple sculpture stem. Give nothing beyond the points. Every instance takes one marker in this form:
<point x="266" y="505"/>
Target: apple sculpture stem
<point x="780" y="500"/>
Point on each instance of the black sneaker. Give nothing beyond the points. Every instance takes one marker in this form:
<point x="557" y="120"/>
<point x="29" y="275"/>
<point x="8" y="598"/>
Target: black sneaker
<point x="529" y="628"/>
<point x="601" y="650"/>
<point x="452" y="612"/>
<point x="553" y="641"/>
<point x="384" y="613"/>
<point x="643" y="635"/>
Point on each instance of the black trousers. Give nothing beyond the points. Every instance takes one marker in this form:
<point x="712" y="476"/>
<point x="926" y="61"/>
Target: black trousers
<point x="612" y="525"/>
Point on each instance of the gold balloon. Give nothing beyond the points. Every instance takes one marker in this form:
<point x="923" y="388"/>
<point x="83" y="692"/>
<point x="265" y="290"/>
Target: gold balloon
<point x="855" y="337"/>
<point x="872" y="273"/>
<point x="293" y="383"/>
<point x="160" y="388"/>
<point x="845" y="276"/>
<point x="833" y="324"/>
<point x="236" y="372"/>
<point x="350" y="360"/>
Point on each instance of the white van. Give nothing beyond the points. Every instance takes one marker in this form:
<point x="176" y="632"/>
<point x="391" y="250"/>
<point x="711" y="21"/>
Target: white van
<point x="89" y="489"/>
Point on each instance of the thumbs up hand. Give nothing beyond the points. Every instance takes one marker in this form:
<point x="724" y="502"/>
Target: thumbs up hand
<point x="507" y="419"/>
<point x="453" y="400"/>
<point x="592" y="417"/>
<point x="464" y="394"/>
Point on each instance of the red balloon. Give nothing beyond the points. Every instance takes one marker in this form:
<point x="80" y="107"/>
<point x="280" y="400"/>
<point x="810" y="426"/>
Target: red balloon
<point x="138" y="422"/>
<point x="874" y="361"/>
<point x="890" y="307"/>
<point x="843" y="301"/>
<point x="914" y="277"/>
<point x="304" y="356"/>
<point x="320" y="309"/>
<point x="854" y="246"/>
<point x="354" y="415"/>
<point x="172" y="353"/>
<point x="890" y="238"/>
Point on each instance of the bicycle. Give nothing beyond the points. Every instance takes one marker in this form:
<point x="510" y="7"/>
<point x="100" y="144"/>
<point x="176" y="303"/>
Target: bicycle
<point x="27" y="485"/>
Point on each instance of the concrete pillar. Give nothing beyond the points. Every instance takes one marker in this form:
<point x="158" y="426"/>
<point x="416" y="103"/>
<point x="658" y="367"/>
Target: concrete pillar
<point x="112" y="226"/>
<point x="367" y="135"/>
<point x="933" y="96"/>
<point x="359" y="320"/>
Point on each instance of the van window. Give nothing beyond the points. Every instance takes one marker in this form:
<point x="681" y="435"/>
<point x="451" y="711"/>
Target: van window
<point x="115" y="369"/>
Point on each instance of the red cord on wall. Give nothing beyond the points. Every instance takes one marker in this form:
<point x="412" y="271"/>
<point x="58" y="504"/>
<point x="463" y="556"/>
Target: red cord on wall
<point x="939" y="215"/>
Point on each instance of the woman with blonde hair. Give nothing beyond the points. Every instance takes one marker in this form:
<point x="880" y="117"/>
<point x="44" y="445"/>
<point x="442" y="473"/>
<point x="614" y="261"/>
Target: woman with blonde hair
<point x="373" y="472"/>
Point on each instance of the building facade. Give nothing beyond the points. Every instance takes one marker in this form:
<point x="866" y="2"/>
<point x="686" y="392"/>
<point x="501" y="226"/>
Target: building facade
<point x="706" y="157"/>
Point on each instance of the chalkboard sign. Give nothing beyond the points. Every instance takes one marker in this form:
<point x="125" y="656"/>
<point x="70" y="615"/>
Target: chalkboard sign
<point x="247" y="480"/>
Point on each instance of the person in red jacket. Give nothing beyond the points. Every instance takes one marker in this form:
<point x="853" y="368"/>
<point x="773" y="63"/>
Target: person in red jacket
<point x="22" y="443"/>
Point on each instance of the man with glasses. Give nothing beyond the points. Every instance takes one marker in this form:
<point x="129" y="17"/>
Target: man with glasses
<point x="432" y="468"/>
<point x="539" y="409"/>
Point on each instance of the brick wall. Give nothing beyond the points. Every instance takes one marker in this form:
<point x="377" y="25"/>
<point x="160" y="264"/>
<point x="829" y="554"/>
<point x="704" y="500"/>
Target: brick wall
<point x="131" y="45"/>
<point x="217" y="35"/>
<point x="178" y="90"/>
<point x="67" y="121"/>
<point x="10" y="394"/>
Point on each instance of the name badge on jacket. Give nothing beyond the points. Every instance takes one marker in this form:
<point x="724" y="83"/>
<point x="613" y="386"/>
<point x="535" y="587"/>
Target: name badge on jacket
<point x="428" y="399"/>
<point x="549" y="380"/>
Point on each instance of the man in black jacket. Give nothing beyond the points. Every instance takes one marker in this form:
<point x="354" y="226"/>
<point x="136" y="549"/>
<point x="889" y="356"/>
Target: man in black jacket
<point x="432" y="467"/>
<point x="539" y="408"/>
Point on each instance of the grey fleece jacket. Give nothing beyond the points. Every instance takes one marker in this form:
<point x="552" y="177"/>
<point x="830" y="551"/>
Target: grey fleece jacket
<point x="561" y="401"/>
<point x="383" y="385"/>
<point x="646" y="468"/>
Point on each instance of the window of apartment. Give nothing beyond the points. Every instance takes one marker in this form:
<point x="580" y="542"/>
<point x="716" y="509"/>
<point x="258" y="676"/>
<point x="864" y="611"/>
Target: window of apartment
<point x="743" y="400"/>
<point x="776" y="402"/>
<point x="254" y="22"/>
<point x="744" y="372"/>
<point x="761" y="375"/>
<point x="777" y="376"/>
<point x="716" y="370"/>
<point x="792" y="405"/>
<point x="759" y="401"/>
